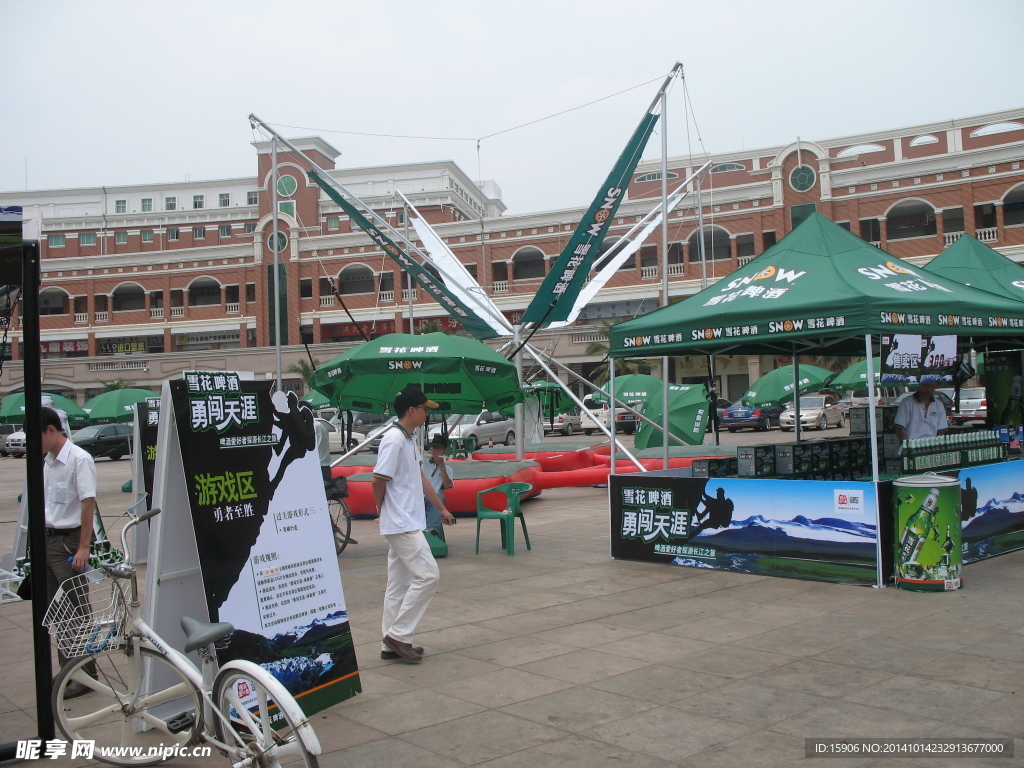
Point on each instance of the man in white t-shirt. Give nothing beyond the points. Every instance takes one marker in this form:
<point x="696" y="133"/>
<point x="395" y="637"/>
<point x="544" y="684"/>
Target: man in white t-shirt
<point x="921" y="415"/>
<point x="399" y="485"/>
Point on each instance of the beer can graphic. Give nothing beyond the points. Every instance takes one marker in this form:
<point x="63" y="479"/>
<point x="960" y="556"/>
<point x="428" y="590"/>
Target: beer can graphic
<point x="928" y="555"/>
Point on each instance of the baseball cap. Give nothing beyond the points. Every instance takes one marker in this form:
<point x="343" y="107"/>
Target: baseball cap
<point x="410" y="397"/>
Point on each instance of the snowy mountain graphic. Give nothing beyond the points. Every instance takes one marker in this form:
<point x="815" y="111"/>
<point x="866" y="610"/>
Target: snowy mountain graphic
<point x="801" y="537"/>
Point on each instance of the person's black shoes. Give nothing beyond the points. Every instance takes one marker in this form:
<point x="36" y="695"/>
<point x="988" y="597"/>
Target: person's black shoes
<point x="391" y="655"/>
<point x="404" y="651"/>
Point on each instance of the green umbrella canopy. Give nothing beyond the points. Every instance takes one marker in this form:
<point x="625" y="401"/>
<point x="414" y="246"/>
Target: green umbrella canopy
<point x="633" y="388"/>
<point x="117" y="405"/>
<point x="971" y="262"/>
<point x="12" y="409"/>
<point x="316" y="399"/>
<point x="463" y="375"/>
<point x="820" y="286"/>
<point x="552" y="397"/>
<point x="688" y="412"/>
<point x="776" y="387"/>
<point x="856" y="376"/>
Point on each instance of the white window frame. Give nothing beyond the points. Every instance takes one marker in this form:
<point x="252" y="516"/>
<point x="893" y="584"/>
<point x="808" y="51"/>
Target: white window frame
<point x="120" y="206"/>
<point x="252" y="198"/>
<point x="56" y="241"/>
<point x="173" y="234"/>
<point x="87" y="238"/>
<point x="147" y="205"/>
<point x="224" y="199"/>
<point x="147" y="235"/>
<point x="198" y="202"/>
<point x="221" y="230"/>
<point x="170" y="203"/>
<point x="199" y="232"/>
<point x="121" y="237"/>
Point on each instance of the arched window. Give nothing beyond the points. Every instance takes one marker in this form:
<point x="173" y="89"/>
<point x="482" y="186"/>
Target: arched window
<point x="528" y="264"/>
<point x="861" y="149"/>
<point x="726" y="167"/>
<point x="355" y="278"/>
<point x="1013" y="206"/>
<point x="920" y="141"/>
<point x="910" y="218"/>
<point x="656" y="176"/>
<point x="607" y="245"/>
<point x="994" y="128"/>
<point x="129" y="296"/>
<point x="53" y="301"/>
<point x="716" y="245"/>
<point x="204" y="292"/>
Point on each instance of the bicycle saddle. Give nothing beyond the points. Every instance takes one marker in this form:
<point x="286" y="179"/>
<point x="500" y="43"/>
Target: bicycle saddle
<point x="199" y="633"/>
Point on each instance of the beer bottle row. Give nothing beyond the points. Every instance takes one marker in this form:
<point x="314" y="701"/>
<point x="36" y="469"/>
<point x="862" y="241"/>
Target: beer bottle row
<point x="959" y="449"/>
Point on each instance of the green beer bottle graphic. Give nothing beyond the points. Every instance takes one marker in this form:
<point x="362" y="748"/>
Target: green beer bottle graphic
<point x="920" y="525"/>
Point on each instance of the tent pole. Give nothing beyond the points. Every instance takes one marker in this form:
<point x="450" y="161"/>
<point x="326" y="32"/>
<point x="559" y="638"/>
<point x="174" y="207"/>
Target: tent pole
<point x="277" y="271"/>
<point x="664" y="270"/>
<point x="872" y="427"/>
<point x="715" y="394"/>
<point x="520" y="421"/>
<point x="611" y="414"/>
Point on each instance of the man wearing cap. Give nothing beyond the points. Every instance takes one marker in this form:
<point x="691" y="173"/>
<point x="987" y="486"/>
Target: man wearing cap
<point x="399" y="485"/>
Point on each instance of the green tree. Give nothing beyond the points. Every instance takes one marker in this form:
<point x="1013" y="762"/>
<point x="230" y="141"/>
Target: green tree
<point x="304" y="369"/>
<point x="118" y="383"/>
<point x="622" y="366"/>
<point x="429" y="326"/>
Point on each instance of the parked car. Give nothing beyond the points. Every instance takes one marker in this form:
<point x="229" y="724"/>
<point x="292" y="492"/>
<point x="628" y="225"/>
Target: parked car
<point x="110" y="440"/>
<point x="817" y="411"/>
<point x="721" y="404"/>
<point x="625" y="422"/>
<point x="858" y="398"/>
<point x="15" y="443"/>
<point x="5" y="431"/>
<point x="566" y="423"/>
<point x="739" y="416"/>
<point x="942" y="397"/>
<point x="488" y="426"/>
<point x="973" y="405"/>
<point x="335" y="437"/>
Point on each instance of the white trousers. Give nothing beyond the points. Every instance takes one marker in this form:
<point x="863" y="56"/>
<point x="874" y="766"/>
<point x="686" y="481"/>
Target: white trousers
<point x="412" y="580"/>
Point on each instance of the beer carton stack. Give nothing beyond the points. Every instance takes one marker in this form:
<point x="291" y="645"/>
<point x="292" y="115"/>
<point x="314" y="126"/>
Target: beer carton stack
<point x="721" y="467"/>
<point x="885" y="425"/>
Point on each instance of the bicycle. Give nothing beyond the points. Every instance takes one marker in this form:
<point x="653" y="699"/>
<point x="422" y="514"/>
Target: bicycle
<point x="341" y="521"/>
<point x="150" y="701"/>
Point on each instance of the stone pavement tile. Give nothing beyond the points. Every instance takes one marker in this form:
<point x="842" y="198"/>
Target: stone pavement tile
<point x="730" y="661"/>
<point x="761" y="749"/>
<point x="668" y="733"/>
<point x="465" y="612"/>
<point x="578" y="709"/>
<point x="588" y="634"/>
<point x="582" y="666"/>
<point x="6" y="705"/>
<point x="928" y="698"/>
<point x="537" y="599"/>
<point x="774" y="615"/>
<point x="1002" y="646"/>
<point x="830" y="597"/>
<point x="377" y="686"/>
<point x="660" y="684"/>
<point x="385" y="752"/>
<point x="505" y="686"/>
<point x="820" y="678"/>
<point x="517" y="650"/>
<point x="716" y="630"/>
<point x="577" y="752"/>
<point x="848" y="625"/>
<point x="654" y="647"/>
<point x="955" y="730"/>
<point x="18" y="725"/>
<point x="931" y="633"/>
<point x="875" y="654"/>
<point x="844" y="719"/>
<point x="964" y="669"/>
<point x="987" y="618"/>
<point x="749" y="703"/>
<point x="1006" y="715"/>
<point x="643" y="597"/>
<point x="436" y="669"/>
<point x="769" y="590"/>
<point x="406" y="712"/>
<point x="793" y="642"/>
<point x="22" y="695"/>
<point x="458" y="637"/>
<point x="335" y="732"/>
<point x="484" y="736"/>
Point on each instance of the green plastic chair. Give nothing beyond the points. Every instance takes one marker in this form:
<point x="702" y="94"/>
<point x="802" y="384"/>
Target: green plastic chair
<point x="513" y="493"/>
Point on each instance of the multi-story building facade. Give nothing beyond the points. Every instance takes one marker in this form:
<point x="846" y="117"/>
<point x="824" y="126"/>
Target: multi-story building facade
<point x="144" y="281"/>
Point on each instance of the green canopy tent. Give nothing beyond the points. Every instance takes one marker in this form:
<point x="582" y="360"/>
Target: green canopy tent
<point x="819" y="288"/>
<point x="971" y="262"/>
<point x="116" y="406"/>
<point x="12" y="410"/>
<point x="463" y="375"/>
<point x="776" y="387"/>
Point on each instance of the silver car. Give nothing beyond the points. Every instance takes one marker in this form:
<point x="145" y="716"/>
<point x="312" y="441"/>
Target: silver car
<point x="488" y="427"/>
<point x="816" y="412"/>
<point x="973" y="405"/>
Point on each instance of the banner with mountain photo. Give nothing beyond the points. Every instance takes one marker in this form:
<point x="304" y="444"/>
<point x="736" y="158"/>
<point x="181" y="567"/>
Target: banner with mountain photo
<point x="827" y="531"/>
<point x="263" y="533"/>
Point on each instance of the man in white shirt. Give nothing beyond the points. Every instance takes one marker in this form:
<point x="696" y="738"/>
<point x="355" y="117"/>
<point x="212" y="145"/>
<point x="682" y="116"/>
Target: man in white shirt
<point x="921" y="415"/>
<point x="69" y="480"/>
<point x="399" y="485"/>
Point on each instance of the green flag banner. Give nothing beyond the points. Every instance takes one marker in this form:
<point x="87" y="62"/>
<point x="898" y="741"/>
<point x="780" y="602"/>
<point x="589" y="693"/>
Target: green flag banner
<point x="432" y="285"/>
<point x="570" y="270"/>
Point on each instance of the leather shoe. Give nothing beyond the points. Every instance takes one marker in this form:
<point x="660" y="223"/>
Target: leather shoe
<point x="391" y="655"/>
<point x="404" y="650"/>
<point x="74" y="689"/>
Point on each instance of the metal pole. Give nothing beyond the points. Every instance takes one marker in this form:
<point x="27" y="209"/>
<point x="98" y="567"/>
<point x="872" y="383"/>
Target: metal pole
<point x="664" y="271"/>
<point x="277" y="273"/>
<point x="409" y="280"/>
<point x="520" y="421"/>
<point x="872" y="426"/>
<point x="703" y="285"/>
<point x="611" y="413"/>
<point x="798" y="430"/>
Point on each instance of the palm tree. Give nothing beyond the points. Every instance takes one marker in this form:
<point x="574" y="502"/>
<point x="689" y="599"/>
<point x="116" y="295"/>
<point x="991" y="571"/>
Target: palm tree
<point x="304" y="370"/>
<point x="429" y="326"/>
<point x="600" y="374"/>
<point x="118" y="383"/>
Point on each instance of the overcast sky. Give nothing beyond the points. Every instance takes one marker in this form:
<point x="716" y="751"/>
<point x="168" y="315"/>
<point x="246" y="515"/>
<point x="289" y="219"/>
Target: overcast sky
<point x="105" y="93"/>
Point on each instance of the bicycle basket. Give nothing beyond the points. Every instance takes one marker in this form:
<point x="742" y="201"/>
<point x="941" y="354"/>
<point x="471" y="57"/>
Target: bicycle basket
<point x="87" y="616"/>
<point x="340" y="486"/>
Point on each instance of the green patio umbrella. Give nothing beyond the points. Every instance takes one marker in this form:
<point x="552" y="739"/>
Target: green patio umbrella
<point x="12" y="410"/>
<point x="688" y="411"/>
<point x="115" y="406"/>
<point x="463" y="375"/>
<point x="776" y="387"/>
<point x="553" y="399"/>
<point x="856" y="376"/>
<point x="632" y="388"/>
<point x="316" y="399"/>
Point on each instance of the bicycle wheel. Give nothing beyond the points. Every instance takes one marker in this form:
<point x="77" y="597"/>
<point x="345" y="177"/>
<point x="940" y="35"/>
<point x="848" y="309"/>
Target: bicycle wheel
<point x="264" y="716"/>
<point x="127" y="708"/>
<point x="341" y="522"/>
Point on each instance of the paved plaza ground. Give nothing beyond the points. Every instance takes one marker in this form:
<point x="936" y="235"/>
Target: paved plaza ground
<point x="560" y="656"/>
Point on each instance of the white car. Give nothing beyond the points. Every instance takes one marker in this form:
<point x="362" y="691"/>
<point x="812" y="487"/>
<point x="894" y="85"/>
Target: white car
<point x="335" y="437"/>
<point x="625" y="422"/>
<point x="15" y="444"/>
<point x="973" y="405"/>
<point x="816" y="411"/>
